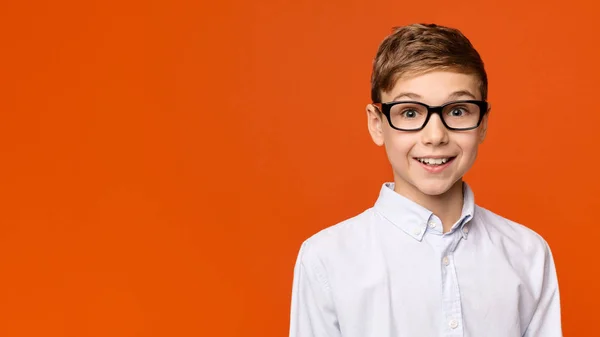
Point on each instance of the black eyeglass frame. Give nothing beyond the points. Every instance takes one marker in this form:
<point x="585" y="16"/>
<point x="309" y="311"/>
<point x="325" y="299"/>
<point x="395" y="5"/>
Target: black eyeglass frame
<point x="385" y="108"/>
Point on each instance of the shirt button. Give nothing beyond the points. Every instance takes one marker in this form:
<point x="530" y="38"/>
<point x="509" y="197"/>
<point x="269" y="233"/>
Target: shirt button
<point x="466" y="230"/>
<point x="453" y="324"/>
<point x="446" y="261"/>
<point x="417" y="231"/>
<point x="432" y="224"/>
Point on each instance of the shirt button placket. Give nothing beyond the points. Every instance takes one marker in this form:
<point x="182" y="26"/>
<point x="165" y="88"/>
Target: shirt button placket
<point x="450" y="295"/>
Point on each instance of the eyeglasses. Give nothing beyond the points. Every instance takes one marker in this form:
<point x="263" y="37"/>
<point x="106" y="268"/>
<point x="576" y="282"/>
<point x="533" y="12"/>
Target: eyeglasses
<point x="413" y="116"/>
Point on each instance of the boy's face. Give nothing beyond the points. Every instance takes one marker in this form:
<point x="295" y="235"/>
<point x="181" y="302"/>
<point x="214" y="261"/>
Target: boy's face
<point x="407" y="149"/>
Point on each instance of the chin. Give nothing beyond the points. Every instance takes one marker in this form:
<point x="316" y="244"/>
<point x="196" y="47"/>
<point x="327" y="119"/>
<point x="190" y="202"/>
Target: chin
<point x="434" y="188"/>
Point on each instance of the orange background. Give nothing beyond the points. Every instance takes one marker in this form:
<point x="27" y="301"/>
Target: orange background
<point x="163" y="161"/>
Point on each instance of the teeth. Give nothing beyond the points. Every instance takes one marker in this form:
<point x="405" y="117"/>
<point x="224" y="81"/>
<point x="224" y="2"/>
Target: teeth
<point x="434" y="161"/>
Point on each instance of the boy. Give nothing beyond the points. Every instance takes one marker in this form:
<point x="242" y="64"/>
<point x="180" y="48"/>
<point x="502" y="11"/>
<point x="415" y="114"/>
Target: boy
<point x="425" y="260"/>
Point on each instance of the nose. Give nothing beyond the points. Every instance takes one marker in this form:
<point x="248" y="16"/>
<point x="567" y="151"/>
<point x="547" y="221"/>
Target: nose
<point x="434" y="133"/>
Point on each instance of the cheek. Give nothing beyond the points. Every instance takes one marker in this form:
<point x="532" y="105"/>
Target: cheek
<point x="398" y="146"/>
<point x="469" y="145"/>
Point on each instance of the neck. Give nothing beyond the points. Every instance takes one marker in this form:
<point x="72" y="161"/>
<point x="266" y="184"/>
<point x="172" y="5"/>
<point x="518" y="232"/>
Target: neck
<point x="447" y="206"/>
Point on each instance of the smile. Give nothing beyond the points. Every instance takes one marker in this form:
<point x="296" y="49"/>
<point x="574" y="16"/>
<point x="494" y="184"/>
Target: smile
<point x="435" y="164"/>
<point x="434" y="161"/>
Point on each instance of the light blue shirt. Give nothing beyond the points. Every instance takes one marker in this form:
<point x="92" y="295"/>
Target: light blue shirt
<point x="391" y="272"/>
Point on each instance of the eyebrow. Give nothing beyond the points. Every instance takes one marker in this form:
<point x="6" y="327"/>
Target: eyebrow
<point x="407" y="94"/>
<point x="461" y="93"/>
<point x="453" y="95"/>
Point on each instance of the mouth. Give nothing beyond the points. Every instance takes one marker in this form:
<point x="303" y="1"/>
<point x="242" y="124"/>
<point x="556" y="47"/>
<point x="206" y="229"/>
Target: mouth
<point x="435" y="164"/>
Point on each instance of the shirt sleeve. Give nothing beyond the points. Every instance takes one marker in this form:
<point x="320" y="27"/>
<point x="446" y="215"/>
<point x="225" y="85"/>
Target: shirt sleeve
<point x="546" y="320"/>
<point x="312" y="310"/>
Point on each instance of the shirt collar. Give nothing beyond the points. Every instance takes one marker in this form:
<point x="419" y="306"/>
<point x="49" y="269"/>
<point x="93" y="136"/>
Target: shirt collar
<point x="413" y="218"/>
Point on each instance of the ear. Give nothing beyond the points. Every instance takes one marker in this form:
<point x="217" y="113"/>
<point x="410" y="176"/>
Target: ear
<point x="375" y="124"/>
<point x="483" y="126"/>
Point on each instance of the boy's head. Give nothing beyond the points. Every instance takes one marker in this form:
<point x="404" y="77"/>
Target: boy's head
<point x="416" y="67"/>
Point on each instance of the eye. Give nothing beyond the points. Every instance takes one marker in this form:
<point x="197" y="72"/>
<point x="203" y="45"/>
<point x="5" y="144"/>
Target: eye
<point x="409" y="113"/>
<point x="458" y="111"/>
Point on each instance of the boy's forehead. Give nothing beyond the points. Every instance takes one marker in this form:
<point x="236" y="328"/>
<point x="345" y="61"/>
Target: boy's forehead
<point x="434" y="87"/>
